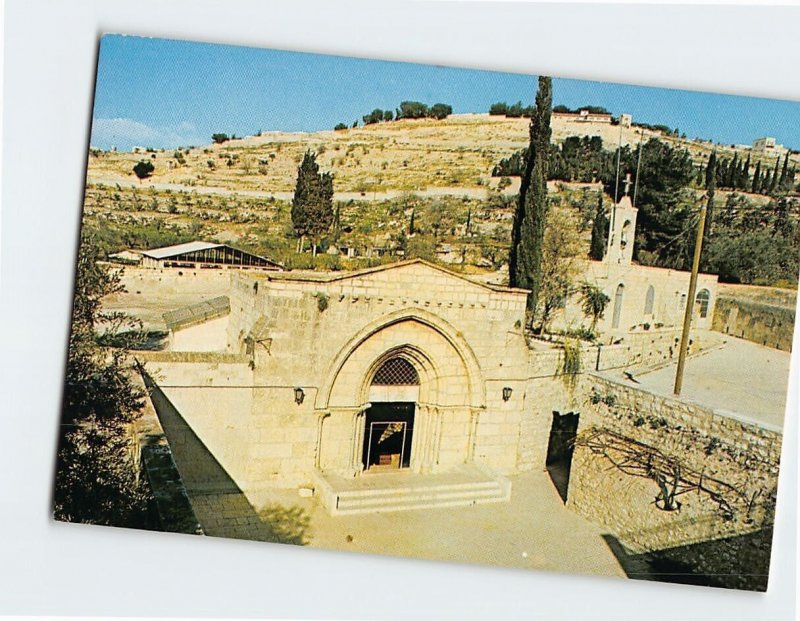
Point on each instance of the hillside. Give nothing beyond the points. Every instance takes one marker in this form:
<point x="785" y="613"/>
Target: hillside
<point x="422" y="155"/>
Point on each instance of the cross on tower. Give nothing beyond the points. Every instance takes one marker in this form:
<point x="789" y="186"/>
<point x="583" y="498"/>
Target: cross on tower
<point x="627" y="183"/>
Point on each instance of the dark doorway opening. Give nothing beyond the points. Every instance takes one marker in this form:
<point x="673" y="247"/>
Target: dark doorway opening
<point x="389" y="429"/>
<point x="560" y="448"/>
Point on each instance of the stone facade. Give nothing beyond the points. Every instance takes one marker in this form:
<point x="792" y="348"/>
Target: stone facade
<point x="324" y="337"/>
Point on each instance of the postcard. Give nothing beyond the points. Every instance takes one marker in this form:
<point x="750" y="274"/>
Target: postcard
<point x="430" y="312"/>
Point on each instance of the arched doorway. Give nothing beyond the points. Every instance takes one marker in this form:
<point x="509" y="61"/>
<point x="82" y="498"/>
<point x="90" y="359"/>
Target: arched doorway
<point x="617" y="306"/>
<point x="389" y="422"/>
<point x="449" y="395"/>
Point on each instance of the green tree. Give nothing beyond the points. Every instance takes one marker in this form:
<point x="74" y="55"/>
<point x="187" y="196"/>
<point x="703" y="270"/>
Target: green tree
<point x="376" y="116"/>
<point x="440" y="111"/>
<point x="421" y="247"/>
<point x="784" y="171"/>
<point x="593" y="302"/>
<point x="773" y="184"/>
<point x="95" y="478"/>
<point x="562" y="248"/>
<point x="597" y="247"/>
<point x="527" y="235"/>
<point x="219" y="138"/>
<point x="143" y="169"/>
<point x="312" y="204"/>
<point x="711" y="187"/>
<point x="756" y="187"/>
<point x="411" y="110"/>
<point x="339" y="127"/>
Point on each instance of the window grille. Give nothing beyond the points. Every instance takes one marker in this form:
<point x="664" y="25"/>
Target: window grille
<point x="396" y="372"/>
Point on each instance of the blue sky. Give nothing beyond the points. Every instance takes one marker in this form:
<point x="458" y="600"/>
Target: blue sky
<point x="162" y="93"/>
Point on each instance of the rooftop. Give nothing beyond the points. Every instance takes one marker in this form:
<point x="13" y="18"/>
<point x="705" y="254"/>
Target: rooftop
<point x="197" y="313"/>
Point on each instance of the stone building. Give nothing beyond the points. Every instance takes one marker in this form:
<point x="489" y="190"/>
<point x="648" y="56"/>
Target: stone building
<point x="405" y="366"/>
<point x="318" y="380"/>
<point x="641" y="297"/>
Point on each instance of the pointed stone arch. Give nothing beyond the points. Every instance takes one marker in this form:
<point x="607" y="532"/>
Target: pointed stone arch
<point x="417" y="351"/>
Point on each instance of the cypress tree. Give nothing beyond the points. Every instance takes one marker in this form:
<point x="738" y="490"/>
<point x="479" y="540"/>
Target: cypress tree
<point x="784" y="170"/>
<point x="527" y="235"/>
<point x="722" y="172"/>
<point x="711" y="177"/>
<point x="756" y="179"/>
<point x="597" y="249"/>
<point x="745" y="174"/>
<point x="766" y="181"/>
<point x="312" y="204"/>
<point x="773" y="184"/>
<point x="711" y="187"/>
<point x="411" y="222"/>
<point x="732" y="172"/>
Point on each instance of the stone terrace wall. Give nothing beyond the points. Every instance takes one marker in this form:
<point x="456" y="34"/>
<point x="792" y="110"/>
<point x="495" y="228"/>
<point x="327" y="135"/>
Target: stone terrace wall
<point x="767" y="324"/>
<point x="729" y="467"/>
<point x="545" y="390"/>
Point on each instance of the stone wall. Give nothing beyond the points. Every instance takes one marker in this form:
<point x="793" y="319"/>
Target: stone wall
<point x="767" y="324"/>
<point x="725" y="472"/>
<point x="210" y="282"/>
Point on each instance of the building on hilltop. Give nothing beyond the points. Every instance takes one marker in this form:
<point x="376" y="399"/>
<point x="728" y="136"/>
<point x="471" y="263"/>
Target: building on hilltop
<point x="768" y="146"/>
<point x="583" y="116"/>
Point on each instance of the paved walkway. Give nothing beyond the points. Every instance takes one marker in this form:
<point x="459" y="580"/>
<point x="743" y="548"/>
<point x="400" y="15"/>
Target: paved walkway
<point x="741" y="377"/>
<point x="534" y="530"/>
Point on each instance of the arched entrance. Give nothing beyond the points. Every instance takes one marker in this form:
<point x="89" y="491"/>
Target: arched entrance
<point x="408" y="371"/>
<point x="389" y="421"/>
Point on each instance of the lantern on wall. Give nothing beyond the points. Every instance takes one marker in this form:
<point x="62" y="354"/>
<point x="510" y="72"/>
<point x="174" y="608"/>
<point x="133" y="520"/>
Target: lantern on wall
<point x="299" y="395"/>
<point x="507" y="393"/>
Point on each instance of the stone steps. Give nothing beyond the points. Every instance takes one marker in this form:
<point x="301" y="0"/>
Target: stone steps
<point x="415" y="493"/>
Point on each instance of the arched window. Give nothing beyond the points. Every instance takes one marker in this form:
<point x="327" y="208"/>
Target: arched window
<point x="617" y="306"/>
<point x="649" y="300"/>
<point x="396" y="372"/>
<point x="701" y="302"/>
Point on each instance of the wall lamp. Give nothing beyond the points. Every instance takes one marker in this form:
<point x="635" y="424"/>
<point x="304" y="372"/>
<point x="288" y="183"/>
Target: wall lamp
<point x="299" y="395"/>
<point x="507" y="393"/>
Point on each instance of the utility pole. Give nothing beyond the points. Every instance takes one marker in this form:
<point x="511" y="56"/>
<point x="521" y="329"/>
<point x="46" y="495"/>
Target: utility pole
<point x="687" y="316"/>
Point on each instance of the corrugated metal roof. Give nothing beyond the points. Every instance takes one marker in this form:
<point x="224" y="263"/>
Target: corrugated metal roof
<point x="171" y="251"/>
<point x="197" y="313"/>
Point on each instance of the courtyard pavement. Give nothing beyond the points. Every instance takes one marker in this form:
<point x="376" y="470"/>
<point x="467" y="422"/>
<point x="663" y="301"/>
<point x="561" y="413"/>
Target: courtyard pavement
<point x="533" y="530"/>
<point x="743" y="378"/>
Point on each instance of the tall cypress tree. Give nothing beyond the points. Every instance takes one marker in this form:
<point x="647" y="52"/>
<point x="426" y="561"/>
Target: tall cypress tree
<point x="745" y="181"/>
<point x="766" y="181"/>
<point x="774" y="183"/>
<point x="312" y="204"/>
<point x="784" y="171"/>
<point x="597" y="249"/>
<point x="756" y="187"/>
<point x="711" y="187"/>
<point x="733" y="171"/>
<point x="527" y="235"/>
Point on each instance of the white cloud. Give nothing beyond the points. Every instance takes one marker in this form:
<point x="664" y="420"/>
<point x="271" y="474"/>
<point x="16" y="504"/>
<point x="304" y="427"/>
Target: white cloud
<point x="125" y="133"/>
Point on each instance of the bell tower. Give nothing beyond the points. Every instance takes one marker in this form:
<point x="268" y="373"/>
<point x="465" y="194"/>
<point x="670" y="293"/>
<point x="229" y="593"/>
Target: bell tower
<point x="622" y="229"/>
